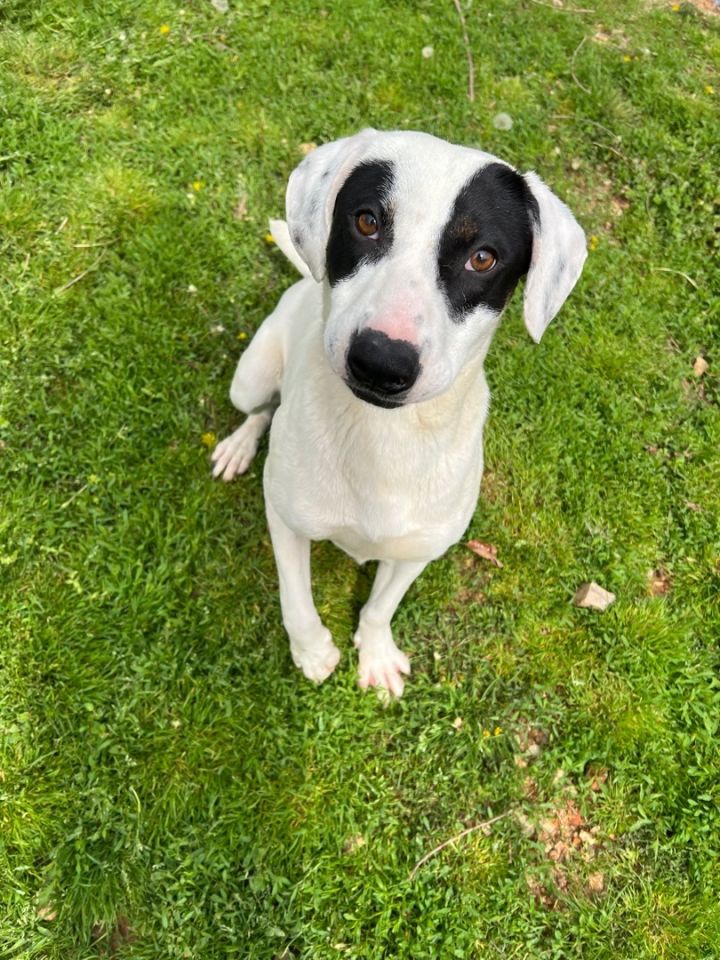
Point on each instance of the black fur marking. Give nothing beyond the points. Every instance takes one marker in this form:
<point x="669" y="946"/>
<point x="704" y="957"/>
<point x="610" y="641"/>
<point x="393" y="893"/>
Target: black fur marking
<point x="495" y="210"/>
<point x="367" y="188"/>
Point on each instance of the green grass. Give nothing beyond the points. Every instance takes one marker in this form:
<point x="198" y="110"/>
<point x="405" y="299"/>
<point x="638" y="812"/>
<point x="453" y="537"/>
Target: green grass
<point x="163" y="766"/>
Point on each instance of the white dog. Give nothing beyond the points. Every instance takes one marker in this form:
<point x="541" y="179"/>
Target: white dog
<point x="373" y="364"/>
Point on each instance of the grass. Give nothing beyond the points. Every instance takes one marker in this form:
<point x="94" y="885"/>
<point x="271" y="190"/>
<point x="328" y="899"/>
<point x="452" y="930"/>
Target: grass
<point x="170" y="785"/>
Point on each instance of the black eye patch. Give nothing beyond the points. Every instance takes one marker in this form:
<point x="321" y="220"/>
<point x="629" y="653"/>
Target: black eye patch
<point x="367" y="189"/>
<point x="494" y="211"/>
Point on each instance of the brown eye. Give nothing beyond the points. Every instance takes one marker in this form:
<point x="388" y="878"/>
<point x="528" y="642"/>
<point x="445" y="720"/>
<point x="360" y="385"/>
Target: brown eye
<point x="481" y="261"/>
<point x="366" y="223"/>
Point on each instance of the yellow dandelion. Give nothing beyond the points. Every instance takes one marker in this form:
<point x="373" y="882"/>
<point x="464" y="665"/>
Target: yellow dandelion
<point x="242" y="335"/>
<point x="675" y="7"/>
<point x="269" y="238"/>
<point x="197" y="185"/>
<point x="593" y="242"/>
<point x="709" y="89"/>
<point x="486" y="734"/>
<point x="497" y="731"/>
<point x="627" y="59"/>
<point x="165" y="29"/>
<point x="208" y="439"/>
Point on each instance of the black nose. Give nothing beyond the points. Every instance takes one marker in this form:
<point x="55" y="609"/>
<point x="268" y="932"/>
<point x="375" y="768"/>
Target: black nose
<point x="380" y="364"/>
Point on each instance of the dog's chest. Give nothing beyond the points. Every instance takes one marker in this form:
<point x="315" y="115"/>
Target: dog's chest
<point x="379" y="484"/>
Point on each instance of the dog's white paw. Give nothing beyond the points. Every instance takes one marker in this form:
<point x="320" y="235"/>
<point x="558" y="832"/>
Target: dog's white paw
<point x="234" y="454"/>
<point x="316" y="655"/>
<point x="380" y="664"/>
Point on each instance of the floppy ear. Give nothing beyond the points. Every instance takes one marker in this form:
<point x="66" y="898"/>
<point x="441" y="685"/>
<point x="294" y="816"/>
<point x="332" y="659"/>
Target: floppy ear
<point x="558" y="255"/>
<point x="311" y="193"/>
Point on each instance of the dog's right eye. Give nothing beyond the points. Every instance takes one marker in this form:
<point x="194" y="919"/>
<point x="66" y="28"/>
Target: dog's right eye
<point x="367" y="225"/>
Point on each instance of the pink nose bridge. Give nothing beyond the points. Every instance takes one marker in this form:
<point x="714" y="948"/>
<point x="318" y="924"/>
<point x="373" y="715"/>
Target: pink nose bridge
<point x="398" y="324"/>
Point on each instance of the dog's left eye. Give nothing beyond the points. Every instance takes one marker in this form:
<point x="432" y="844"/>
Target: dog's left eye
<point x="481" y="261"/>
<point x="367" y="225"/>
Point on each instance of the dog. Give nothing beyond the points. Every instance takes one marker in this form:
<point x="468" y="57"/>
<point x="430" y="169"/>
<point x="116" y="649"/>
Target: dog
<point x="371" y="367"/>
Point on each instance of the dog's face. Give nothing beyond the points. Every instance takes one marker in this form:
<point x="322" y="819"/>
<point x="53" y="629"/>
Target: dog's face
<point x="422" y="244"/>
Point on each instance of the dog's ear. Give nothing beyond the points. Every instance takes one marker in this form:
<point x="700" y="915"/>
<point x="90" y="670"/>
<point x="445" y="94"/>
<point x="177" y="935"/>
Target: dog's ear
<point x="558" y="254"/>
<point x="311" y="193"/>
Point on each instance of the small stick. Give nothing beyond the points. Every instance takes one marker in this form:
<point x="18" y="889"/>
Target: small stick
<point x="564" y="116"/>
<point x="572" y="66"/>
<point x="678" y="272"/>
<point x="466" y="41"/>
<point x="79" y="277"/>
<point x="446" y="843"/>
<point x="607" y="146"/>
<point x="99" y="243"/>
<point x="74" y="496"/>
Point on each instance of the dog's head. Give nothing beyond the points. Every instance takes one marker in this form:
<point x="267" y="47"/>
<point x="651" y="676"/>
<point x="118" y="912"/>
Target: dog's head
<point x="422" y="244"/>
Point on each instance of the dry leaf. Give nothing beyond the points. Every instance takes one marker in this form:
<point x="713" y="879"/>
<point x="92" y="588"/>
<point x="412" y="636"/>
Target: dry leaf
<point x="593" y="597"/>
<point x="353" y="843"/>
<point x="487" y="551"/>
<point x="240" y="210"/>
<point x="597" y="776"/>
<point x="658" y="582"/>
<point x="700" y="366"/>
<point x="596" y="883"/>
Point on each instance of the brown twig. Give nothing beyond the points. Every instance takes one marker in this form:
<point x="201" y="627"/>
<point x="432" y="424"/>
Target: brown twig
<point x="446" y="843"/>
<point x="468" y="52"/>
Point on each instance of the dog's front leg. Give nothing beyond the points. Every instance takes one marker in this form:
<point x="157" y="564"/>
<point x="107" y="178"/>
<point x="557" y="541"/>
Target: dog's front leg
<point x="381" y="663"/>
<point x="311" y="644"/>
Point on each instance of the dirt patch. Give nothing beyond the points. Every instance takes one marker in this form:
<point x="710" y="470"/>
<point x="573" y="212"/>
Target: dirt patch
<point x="567" y="846"/>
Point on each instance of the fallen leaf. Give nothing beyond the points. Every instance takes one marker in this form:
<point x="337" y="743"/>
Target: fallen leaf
<point x="596" y="883"/>
<point x="700" y="366"/>
<point x="597" y="776"/>
<point x="487" y="551"/>
<point x="658" y="582"/>
<point x="240" y="210"/>
<point x="353" y="843"/>
<point x="593" y="597"/>
<point x="47" y="913"/>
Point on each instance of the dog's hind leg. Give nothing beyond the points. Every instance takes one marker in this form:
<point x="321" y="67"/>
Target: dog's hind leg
<point x="311" y="644"/>
<point x="381" y="664"/>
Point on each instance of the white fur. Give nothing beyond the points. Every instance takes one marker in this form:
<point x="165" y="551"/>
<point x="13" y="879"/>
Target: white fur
<point x="398" y="486"/>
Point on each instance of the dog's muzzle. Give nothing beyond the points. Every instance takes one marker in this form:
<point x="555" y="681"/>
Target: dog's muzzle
<point x="381" y="370"/>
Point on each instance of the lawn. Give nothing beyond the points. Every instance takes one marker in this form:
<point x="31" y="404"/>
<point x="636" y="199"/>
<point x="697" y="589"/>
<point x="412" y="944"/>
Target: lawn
<point x="170" y="785"/>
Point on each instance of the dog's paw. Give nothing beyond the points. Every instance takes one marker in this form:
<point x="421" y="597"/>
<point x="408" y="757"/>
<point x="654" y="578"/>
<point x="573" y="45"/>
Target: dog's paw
<point x="380" y="664"/>
<point x="317" y="656"/>
<point x="233" y="455"/>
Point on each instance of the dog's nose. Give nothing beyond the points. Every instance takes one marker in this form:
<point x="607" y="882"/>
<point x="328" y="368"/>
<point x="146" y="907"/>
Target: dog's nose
<point x="376" y="361"/>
